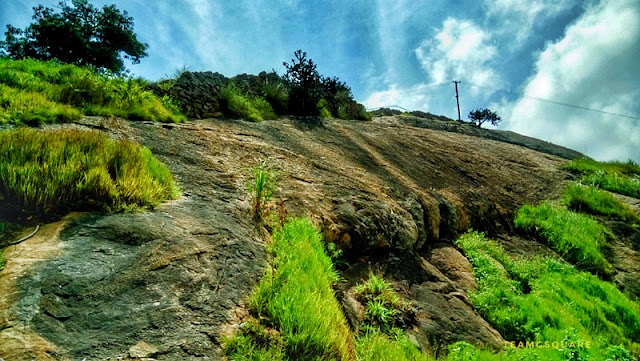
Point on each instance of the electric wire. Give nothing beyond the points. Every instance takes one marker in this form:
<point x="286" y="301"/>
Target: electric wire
<point x="553" y="101"/>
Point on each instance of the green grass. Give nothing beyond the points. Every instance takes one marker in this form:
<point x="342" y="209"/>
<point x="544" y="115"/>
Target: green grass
<point x="238" y="105"/>
<point x="275" y="92"/>
<point x="585" y="166"/>
<point x="52" y="172"/>
<point x="543" y="299"/>
<point x="577" y="237"/>
<point x="297" y="299"/>
<point x="296" y="314"/>
<point x="261" y="183"/>
<point x="615" y="183"/>
<point x="618" y="177"/>
<point x="384" y="309"/>
<point x="592" y="200"/>
<point x="375" y="346"/>
<point x="33" y="91"/>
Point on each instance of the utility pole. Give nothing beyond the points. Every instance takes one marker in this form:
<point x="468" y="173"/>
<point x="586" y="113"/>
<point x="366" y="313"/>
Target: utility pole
<point x="458" y="99"/>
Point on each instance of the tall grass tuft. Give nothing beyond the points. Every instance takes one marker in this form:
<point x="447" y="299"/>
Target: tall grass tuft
<point x="261" y="184"/>
<point x="374" y="346"/>
<point x="51" y="172"/>
<point x="297" y="300"/>
<point x="577" y="237"/>
<point x="238" y="105"/>
<point x="592" y="200"/>
<point x="34" y="91"/>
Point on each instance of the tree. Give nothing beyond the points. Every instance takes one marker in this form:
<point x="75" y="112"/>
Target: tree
<point x="305" y="84"/>
<point x="80" y="34"/>
<point x="480" y="116"/>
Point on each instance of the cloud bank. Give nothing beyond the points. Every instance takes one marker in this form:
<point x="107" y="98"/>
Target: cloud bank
<point x="594" y="65"/>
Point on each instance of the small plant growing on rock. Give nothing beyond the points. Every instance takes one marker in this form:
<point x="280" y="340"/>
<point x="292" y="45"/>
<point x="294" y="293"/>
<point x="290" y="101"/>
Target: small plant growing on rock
<point x="261" y="184"/>
<point x="384" y="309"/>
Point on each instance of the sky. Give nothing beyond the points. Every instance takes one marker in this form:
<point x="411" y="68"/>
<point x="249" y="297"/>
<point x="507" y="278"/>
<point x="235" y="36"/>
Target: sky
<point x="518" y="58"/>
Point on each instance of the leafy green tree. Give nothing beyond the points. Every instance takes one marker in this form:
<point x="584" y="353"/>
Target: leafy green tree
<point x="79" y="34"/>
<point x="480" y="116"/>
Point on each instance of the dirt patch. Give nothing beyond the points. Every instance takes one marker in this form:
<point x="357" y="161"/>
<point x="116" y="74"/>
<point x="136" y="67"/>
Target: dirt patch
<point x="17" y="339"/>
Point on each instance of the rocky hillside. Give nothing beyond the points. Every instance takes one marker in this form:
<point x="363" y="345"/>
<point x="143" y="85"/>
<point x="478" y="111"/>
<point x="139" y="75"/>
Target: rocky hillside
<point x="173" y="283"/>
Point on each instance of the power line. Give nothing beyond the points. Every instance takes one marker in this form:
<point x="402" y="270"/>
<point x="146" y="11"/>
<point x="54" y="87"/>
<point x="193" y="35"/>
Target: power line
<point x="555" y="102"/>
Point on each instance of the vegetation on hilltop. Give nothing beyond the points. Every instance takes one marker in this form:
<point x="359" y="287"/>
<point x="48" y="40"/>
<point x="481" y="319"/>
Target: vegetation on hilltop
<point x="35" y="91"/>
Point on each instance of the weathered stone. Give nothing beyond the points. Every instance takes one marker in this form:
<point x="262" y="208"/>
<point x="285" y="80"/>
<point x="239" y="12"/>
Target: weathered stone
<point x="454" y="265"/>
<point x="142" y="350"/>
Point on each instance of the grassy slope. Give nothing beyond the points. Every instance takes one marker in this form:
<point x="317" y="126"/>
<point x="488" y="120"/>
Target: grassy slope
<point x="547" y="300"/>
<point x="618" y="177"/>
<point x="34" y="91"/>
<point x="577" y="237"/>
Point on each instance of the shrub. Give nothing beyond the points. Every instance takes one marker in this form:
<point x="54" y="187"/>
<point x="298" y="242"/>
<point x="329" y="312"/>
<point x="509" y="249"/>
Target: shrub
<point x="237" y="105"/>
<point x="52" y="172"/>
<point x="592" y="200"/>
<point x="323" y="109"/>
<point x="313" y="94"/>
<point x="575" y="236"/>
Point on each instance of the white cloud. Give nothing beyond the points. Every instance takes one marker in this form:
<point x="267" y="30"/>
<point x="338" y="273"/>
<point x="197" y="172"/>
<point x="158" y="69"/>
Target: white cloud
<point x="460" y="50"/>
<point x="515" y="19"/>
<point x="595" y="65"/>
<point x="391" y="23"/>
<point x="409" y="98"/>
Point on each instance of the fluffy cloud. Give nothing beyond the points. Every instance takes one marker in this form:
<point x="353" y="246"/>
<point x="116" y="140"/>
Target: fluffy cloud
<point x="408" y="98"/>
<point x="595" y="65"/>
<point x="517" y="17"/>
<point x="460" y="50"/>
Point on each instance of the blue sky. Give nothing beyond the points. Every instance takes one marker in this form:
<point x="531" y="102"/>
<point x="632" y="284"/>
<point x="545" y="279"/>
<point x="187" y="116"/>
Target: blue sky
<point x="407" y="53"/>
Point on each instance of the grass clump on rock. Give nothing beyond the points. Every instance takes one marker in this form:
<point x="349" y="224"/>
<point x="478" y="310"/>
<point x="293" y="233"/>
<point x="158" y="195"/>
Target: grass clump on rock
<point x="47" y="173"/>
<point x="297" y="301"/>
<point x="237" y="105"/>
<point x="595" y="201"/>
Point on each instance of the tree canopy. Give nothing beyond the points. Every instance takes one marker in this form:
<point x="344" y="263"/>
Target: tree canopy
<point x="79" y="34"/>
<point x="480" y="116"/>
